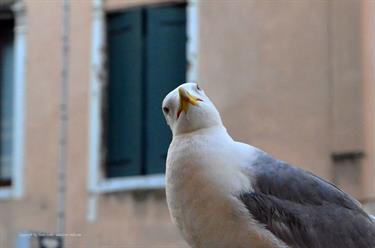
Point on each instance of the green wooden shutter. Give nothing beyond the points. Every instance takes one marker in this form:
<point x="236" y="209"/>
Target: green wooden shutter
<point x="166" y="68"/>
<point x="6" y="101"/>
<point x="124" y="94"/>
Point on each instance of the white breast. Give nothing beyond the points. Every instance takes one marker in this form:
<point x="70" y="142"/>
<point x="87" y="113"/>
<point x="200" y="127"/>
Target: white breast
<point x="204" y="173"/>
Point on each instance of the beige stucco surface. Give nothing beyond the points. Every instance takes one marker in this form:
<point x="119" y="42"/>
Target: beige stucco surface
<point x="270" y="78"/>
<point x="286" y="77"/>
<point x="368" y="54"/>
<point x="289" y="80"/>
<point x="118" y="5"/>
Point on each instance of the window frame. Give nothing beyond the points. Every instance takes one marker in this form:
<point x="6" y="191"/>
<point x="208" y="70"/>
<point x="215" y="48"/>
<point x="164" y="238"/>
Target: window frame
<point x="16" y="189"/>
<point x="97" y="183"/>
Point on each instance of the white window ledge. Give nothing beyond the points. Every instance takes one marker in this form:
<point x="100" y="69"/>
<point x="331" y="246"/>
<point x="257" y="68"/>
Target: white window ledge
<point x="6" y="193"/>
<point x="156" y="181"/>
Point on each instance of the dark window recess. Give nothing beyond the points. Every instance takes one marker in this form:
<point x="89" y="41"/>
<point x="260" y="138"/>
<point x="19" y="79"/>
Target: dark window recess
<point x="146" y="60"/>
<point x="6" y="97"/>
<point x="351" y="156"/>
<point x="347" y="170"/>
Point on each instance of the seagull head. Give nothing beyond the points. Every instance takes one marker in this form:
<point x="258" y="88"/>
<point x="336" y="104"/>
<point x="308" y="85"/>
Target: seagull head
<point x="188" y="109"/>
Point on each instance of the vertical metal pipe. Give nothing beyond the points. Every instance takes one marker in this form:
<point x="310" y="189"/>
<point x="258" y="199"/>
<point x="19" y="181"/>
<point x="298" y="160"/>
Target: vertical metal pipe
<point x="63" y="130"/>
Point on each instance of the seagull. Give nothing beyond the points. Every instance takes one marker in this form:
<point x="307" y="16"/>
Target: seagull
<point x="222" y="193"/>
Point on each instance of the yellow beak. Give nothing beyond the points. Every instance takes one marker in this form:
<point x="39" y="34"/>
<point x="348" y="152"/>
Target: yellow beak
<point x="185" y="100"/>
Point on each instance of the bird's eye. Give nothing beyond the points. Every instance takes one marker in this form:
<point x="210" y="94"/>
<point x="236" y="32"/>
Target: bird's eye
<point x="166" y="110"/>
<point x="198" y="88"/>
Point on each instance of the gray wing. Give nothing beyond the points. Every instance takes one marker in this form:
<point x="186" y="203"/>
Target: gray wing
<point x="304" y="210"/>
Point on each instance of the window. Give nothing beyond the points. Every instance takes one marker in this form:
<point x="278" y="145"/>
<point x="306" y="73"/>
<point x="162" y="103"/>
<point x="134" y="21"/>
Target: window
<point x="146" y="60"/>
<point x="6" y="97"/>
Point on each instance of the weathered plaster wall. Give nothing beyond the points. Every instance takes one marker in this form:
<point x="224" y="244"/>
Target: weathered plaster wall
<point x="286" y="77"/>
<point x="368" y="35"/>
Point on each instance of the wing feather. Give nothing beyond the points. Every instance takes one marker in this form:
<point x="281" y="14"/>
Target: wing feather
<point x="304" y="210"/>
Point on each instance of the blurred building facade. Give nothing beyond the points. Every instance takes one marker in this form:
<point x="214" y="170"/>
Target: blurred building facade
<point x="294" y="78"/>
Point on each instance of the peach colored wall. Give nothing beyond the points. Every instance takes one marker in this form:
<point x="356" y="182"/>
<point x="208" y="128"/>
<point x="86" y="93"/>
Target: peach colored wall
<point x="347" y="92"/>
<point x="346" y="62"/>
<point x="271" y="78"/>
<point x="111" y="5"/>
<point x="286" y="77"/>
<point x="368" y="34"/>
